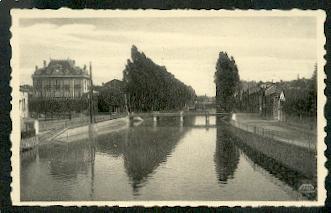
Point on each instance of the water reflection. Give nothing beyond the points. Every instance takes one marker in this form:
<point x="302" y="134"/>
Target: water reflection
<point x="67" y="160"/>
<point x="228" y="148"/>
<point x="226" y="155"/>
<point x="163" y="160"/>
<point x="278" y="170"/>
<point x="143" y="155"/>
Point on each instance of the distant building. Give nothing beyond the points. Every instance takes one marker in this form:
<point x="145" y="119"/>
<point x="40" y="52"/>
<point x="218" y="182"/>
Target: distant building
<point x="60" y="79"/>
<point x="29" y="126"/>
<point x="204" y="103"/>
<point x="114" y="84"/>
<point x="267" y="99"/>
<point x="24" y="102"/>
<point x="275" y="98"/>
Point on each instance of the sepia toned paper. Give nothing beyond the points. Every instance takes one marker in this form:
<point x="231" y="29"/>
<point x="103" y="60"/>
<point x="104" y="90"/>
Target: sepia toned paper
<point x="35" y="32"/>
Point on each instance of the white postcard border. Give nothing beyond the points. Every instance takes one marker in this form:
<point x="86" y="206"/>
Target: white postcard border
<point x="64" y="12"/>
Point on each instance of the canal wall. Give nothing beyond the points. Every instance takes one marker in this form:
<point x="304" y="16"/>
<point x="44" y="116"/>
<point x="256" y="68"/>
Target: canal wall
<point x="83" y="132"/>
<point x="297" y="158"/>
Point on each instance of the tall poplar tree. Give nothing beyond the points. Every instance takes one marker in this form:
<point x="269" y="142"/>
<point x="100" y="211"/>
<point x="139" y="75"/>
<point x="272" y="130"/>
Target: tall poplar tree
<point x="150" y="87"/>
<point x="227" y="81"/>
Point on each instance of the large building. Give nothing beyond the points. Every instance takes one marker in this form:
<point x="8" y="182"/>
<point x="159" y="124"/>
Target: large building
<point x="60" y="79"/>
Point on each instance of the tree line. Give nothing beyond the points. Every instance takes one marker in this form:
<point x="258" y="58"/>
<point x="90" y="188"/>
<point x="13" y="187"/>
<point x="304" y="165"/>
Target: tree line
<point x="150" y="87"/>
<point x="301" y="96"/>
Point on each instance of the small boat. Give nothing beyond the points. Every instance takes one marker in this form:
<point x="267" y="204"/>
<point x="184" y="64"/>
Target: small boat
<point x="137" y="119"/>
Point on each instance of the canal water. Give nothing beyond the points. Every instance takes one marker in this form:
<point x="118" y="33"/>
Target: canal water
<point x="156" y="161"/>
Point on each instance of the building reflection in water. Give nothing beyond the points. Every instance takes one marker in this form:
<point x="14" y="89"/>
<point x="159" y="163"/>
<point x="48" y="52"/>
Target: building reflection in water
<point x="66" y="161"/>
<point x="143" y="155"/>
<point x="226" y="154"/>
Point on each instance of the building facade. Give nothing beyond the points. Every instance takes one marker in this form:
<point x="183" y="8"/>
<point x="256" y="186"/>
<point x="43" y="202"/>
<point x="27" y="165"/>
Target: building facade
<point x="275" y="99"/>
<point x="61" y="79"/>
<point x="267" y="99"/>
<point x="24" y="102"/>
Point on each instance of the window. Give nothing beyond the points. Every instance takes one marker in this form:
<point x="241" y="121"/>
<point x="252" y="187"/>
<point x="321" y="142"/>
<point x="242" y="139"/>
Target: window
<point x="57" y="85"/>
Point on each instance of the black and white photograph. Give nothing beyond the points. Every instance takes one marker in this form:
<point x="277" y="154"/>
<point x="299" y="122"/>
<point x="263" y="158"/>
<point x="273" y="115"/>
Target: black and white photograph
<point x="179" y="107"/>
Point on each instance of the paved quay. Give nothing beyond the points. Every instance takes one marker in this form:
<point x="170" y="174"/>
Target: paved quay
<point x="49" y="130"/>
<point x="280" y="131"/>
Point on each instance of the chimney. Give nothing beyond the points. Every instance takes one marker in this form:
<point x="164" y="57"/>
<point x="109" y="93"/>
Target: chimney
<point x="36" y="67"/>
<point x="44" y="63"/>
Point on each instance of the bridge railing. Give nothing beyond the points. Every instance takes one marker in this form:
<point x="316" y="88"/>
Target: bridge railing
<point x="180" y="113"/>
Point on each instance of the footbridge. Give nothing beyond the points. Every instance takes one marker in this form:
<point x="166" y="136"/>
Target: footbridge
<point x="181" y="115"/>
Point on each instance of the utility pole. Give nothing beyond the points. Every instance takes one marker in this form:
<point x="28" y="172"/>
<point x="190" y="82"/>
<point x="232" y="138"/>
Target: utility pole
<point x="91" y="96"/>
<point x="126" y="104"/>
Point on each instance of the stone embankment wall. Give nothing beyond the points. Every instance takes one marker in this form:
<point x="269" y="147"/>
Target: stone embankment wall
<point x="83" y="132"/>
<point x="297" y="158"/>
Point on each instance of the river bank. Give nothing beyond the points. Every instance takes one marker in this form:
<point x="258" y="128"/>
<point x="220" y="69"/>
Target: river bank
<point x="66" y="131"/>
<point x="296" y="156"/>
<point x="104" y="127"/>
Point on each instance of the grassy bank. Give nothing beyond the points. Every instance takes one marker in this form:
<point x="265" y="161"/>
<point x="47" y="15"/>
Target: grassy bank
<point x="294" y="157"/>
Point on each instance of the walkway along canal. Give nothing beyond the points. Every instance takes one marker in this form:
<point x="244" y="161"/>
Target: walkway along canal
<point x="163" y="160"/>
<point x="298" y="154"/>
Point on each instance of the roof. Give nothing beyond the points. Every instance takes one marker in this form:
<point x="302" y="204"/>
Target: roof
<point x="61" y="68"/>
<point x="255" y="89"/>
<point x="114" y="83"/>
<point x="273" y="90"/>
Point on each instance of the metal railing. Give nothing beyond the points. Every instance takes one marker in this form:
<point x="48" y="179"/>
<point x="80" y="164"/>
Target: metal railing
<point x="50" y="129"/>
<point x="75" y="122"/>
<point x="299" y="138"/>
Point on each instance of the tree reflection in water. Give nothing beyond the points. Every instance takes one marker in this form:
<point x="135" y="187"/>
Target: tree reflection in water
<point x="226" y="154"/>
<point x="228" y="149"/>
<point x="281" y="172"/>
<point x="142" y="155"/>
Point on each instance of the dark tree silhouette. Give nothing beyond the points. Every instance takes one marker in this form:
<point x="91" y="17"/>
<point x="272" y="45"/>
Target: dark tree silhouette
<point x="227" y="82"/>
<point x="151" y="87"/>
<point x="301" y="96"/>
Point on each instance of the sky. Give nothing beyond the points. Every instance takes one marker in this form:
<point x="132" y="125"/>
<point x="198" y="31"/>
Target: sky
<point x="264" y="48"/>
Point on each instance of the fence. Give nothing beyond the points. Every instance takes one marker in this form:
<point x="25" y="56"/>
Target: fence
<point x="298" y="138"/>
<point x="74" y="122"/>
<point x="50" y="129"/>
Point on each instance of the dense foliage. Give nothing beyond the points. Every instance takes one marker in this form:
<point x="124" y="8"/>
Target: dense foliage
<point x="55" y="107"/>
<point x="110" y="97"/>
<point x="151" y="87"/>
<point x="227" y="82"/>
<point x="301" y="96"/>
